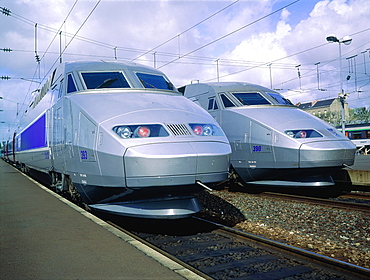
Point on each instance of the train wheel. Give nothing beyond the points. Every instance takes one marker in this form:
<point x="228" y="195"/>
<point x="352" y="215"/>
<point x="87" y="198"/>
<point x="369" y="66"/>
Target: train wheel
<point x="74" y="195"/>
<point x="25" y="169"/>
<point x="238" y="185"/>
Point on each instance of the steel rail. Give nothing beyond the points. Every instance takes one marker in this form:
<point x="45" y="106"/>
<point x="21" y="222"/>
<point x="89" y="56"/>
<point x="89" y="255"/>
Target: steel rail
<point x="363" y="196"/>
<point x="159" y="250"/>
<point x="321" y="201"/>
<point x="332" y="263"/>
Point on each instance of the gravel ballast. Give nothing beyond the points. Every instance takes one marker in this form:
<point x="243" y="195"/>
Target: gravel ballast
<point x="338" y="233"/>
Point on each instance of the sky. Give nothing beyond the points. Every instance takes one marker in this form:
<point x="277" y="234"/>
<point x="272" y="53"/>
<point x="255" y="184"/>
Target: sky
<point x="280" y="44"/>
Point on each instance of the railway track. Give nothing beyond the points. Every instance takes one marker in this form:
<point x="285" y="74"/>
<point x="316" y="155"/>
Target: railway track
<point x="320" y="201"/>
<point x="361" y="196"/>
<point x="215" y="251"/>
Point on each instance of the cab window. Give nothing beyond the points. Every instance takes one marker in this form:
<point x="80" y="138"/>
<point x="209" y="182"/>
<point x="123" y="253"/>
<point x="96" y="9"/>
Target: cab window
<point x="154" y="81"/>
<point x="251" y="98"/>
<point x="279" y="98"/>
<point x="96" y="80"/>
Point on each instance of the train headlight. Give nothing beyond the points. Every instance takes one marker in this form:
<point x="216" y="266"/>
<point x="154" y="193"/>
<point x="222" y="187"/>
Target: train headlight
<point x="289" y="133"/>
<point x="140" y="131"/>
<point x="303" y="133"/>
<point x="124" y="132"/>
<point x="198" y="130"/>
<point x="206" y="129"/>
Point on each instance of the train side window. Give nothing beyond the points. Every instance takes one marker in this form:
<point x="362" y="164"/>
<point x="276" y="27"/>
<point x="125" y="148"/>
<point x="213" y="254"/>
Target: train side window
<point x="95" y="80"/>
<point x="226" y="101"/>
<point x="356" y="135"/>
<point x="280" y="99"/>
<point x="212" y="104"/>
<point x="71" y="87"/>
<point x="251" y="98"/>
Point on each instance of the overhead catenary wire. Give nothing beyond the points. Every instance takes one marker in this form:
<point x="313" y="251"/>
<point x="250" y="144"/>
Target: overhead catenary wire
<point x="262" y="64"/>
<point x="78" y="30"/>
<point x="60" y="28"/>
<point x="102" y="44"/>
<point x="186" y="30"/>
<point x="83" y="23"/>
<point x="228" y="34"/>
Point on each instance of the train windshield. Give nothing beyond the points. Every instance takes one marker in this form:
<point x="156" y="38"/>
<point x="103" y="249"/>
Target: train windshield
<point x="251" y="98"/>
<point x="279" y="98"/>
<point x="94" y="80"/>
<point x="154" y="81"/>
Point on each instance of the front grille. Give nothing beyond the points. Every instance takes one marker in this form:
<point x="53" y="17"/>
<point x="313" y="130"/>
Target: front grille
<point x="178" y="129"/>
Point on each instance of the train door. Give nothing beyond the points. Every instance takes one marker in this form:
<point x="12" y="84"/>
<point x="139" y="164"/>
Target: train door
<point x="261" y="145"/>
<point x="87" y="132"/>
<point x="89" y="170"/>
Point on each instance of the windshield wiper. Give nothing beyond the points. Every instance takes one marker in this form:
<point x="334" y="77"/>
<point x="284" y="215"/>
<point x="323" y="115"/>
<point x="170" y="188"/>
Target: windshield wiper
<point x="107" y="83"/>
<point x="146" y="83"/>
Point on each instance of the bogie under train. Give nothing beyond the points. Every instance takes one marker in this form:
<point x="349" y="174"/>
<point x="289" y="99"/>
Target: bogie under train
<point x="273" y="142"/>
<point x="120" y="137"/>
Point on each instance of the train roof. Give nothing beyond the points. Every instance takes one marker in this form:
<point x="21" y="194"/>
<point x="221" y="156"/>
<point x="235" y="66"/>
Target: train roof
<point x="227" y="86"/>
<point x="105" y="65"/>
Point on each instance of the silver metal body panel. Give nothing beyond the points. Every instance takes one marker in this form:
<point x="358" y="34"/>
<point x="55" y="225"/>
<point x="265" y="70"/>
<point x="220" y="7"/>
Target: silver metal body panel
<point x="37" y="159"/>
<point x="261" y="150"/>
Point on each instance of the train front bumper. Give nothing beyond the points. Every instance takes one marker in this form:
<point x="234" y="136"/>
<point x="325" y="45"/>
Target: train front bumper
<point x="160" y="208"/>
<point x="171" y="164"/>
<point x="326" y="154"/>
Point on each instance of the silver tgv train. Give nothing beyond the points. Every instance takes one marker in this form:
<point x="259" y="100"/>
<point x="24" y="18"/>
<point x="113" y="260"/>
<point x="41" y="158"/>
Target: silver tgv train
<point x="120" y="137"/>
<point x="273" y="142"/>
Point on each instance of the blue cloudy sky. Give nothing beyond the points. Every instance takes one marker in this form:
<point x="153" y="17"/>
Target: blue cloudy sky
<point x="275" y="43"/>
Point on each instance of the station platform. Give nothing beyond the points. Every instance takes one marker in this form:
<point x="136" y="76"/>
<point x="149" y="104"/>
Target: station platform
<point x="44" y="236"/>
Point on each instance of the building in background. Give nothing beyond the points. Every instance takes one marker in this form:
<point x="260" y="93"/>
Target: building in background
<point x="328" y="110"/>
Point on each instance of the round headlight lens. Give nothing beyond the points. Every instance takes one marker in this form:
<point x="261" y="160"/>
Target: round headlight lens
<point x="198" y="130"/>
<point x="207" y="130"/>
<point x="302" y="134"/>
<point x="290" y="133"/>
<point x="124" y="132"/>
<point x="142" y="131"/>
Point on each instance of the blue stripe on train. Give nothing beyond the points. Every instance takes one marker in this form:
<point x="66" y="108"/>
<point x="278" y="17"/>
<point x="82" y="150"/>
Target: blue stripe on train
<point x="35" y="135"/>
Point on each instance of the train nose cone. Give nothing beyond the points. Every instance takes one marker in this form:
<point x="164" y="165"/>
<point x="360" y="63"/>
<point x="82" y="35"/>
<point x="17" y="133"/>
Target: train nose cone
<point x="327" y="154"/>
<point x="166" y="164"/>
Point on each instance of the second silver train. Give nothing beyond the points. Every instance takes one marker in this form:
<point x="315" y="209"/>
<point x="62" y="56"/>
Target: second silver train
<point x="273" y="142"/>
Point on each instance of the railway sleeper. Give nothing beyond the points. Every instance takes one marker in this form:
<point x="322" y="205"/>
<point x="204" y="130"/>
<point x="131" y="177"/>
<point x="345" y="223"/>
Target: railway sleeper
<point x="278" y="273"/>
<point x="214" y="253"/>
<point x="237" y="264"/>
